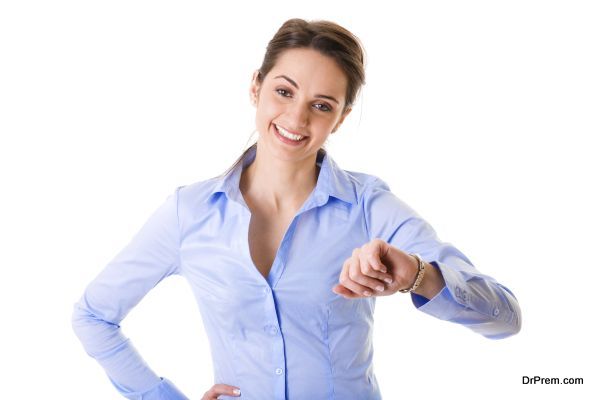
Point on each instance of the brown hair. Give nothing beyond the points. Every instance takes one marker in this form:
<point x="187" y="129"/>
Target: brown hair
<point x="326" y="37"/>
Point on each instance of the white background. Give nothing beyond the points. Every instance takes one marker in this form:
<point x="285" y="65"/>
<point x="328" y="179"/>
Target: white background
<point x="481" y="115"/>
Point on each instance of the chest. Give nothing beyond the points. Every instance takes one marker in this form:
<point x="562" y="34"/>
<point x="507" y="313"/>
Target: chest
<point x="265" y="234"/>
<point x="298" y="255"/>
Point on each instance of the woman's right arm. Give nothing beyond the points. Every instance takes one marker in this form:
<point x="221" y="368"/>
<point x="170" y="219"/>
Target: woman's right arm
<point x="150" y="256"/>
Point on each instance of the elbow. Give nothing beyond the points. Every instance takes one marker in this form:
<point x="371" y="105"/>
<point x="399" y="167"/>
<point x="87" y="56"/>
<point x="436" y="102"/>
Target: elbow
<point x="87" y="327"/>
<point x="97" y="335"/>
<point x="79" y="321"/>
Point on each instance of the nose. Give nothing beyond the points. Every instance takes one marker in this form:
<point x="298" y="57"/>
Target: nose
<point x="297" y="116"/>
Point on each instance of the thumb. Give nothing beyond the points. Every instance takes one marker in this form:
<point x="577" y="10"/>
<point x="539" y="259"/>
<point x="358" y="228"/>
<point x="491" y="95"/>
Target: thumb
<point x="386" y="254"/>
<point x="379" y="258"/>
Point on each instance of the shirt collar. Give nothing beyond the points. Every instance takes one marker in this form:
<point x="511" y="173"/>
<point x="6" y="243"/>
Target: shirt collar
<point x="332" y="180"/>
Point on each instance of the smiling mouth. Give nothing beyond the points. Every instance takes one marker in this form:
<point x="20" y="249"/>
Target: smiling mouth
<point x="289" y="135"/>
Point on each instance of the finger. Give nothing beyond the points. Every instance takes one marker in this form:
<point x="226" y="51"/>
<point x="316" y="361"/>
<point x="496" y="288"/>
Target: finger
<point x="343" y="291"/>
<point x="372" y="257"/>
<point x="348" y="288"/>
<point x="221" y="388"/>
<point x="370" y="266"/>
<point x="361" y="282"/>
<point x="354" y="279"/>
<point x="357" y="276"/>
<point x="340" y="288"/>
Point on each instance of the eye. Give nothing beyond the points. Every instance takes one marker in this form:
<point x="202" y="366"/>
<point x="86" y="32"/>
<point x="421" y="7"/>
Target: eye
<point x="323" y="107"/>
<point x="283" y="92"/>
<point x="319" y="106"/>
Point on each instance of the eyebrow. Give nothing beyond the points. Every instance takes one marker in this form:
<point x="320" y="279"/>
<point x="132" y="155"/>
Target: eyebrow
<point x="322" y="96"/>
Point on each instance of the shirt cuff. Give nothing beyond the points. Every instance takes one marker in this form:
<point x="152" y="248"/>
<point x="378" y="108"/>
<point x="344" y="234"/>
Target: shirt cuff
<point x="442" y="305"/>
<point x="165" y="390"/>
<point x="475" y="301"/>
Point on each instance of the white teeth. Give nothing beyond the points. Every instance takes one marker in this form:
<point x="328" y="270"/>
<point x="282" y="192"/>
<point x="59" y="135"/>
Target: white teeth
<point x="287" y="134"/>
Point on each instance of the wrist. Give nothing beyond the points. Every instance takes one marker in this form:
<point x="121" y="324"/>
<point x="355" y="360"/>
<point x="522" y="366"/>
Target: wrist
<point x="433" y="282"/>
<point x="419" y="276"/>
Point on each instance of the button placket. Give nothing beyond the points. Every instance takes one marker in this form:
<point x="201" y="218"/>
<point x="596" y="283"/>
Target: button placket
<point x="272" y="330"/>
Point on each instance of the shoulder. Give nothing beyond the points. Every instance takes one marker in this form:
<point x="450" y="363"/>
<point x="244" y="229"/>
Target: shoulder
<point x="196" y="195"/>
<point x="198" y="189"/>
<point x="377" y="199"/>
<point x="364" y="184"/>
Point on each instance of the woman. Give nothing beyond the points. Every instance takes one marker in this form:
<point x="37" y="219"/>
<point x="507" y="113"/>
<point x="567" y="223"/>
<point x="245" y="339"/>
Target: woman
<point x="286" y="252"/>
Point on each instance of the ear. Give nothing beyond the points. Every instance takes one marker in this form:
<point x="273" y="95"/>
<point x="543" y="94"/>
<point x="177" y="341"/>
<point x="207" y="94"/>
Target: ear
<point x="342" y="118"/>
<point x="254" y="88"/>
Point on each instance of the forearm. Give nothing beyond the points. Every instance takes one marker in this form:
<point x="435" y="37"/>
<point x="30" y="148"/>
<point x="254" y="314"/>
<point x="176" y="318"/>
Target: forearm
<point x="127" y="371"/>
<point x="105" y="342"/>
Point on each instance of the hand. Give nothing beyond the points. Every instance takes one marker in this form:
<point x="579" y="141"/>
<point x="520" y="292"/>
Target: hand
<point x="370" y="266"/>
<point x="218" y="389"/>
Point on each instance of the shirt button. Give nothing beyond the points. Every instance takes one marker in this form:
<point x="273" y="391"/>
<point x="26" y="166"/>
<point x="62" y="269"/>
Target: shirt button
<point x="271" y="329"/>
<point x="266" y="290"/>
<point x="458" y="292"/>
<point x="496" y="312"/>
<point x="279" y="371"/>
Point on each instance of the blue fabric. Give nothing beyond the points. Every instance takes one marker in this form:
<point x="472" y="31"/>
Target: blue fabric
<point x="288" y="336"/>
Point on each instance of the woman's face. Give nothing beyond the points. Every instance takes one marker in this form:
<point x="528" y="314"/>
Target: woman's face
<point x="303" y="94"/>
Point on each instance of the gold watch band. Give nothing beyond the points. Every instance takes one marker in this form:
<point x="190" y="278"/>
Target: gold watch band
<point x="418" y="277"/>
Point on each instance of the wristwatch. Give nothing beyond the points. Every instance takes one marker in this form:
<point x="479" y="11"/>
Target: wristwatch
<point x="418" y="277"/>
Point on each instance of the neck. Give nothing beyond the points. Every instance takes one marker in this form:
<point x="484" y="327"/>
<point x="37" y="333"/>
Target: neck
<point x="277" y="185"/>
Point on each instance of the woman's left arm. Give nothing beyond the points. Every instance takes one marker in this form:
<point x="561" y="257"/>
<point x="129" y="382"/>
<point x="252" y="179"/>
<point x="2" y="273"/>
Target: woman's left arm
<point x="452" y="288"/>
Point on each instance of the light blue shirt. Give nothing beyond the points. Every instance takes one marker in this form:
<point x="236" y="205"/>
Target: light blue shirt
<point x="288" y="336"/>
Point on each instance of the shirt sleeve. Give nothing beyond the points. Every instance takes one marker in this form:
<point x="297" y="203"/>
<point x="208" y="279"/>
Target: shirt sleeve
<point x="469" y="297"/>
<point x="150" y="256"/>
